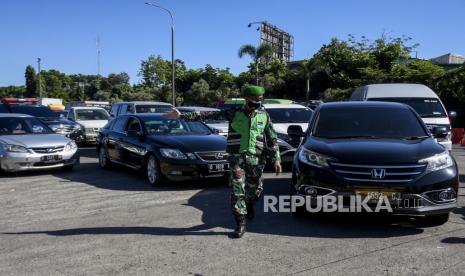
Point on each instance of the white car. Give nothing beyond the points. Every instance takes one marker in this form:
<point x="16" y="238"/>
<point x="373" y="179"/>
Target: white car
<point x="91" y="119"/>
<point x="285" y="115"/>
<point x="28" y="144"/>
<point x="222" y="126"/>
<point x="420" y="97"/>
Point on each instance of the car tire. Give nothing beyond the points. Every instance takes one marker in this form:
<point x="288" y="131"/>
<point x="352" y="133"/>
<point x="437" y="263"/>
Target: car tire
<point x="436" y="220"/>
<point x="103" y="160"/>
<point x="152" y="171"/>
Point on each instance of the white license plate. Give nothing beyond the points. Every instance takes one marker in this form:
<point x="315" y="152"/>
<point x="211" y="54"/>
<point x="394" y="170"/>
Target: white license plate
<point x="218" y="167"/>
<point x="49" y="158"/>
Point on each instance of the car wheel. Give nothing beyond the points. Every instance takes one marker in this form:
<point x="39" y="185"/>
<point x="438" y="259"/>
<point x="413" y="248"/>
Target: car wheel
<point x="437" y="220"/>
<point x="103" y="159"/>
<point x="152" y="171"/>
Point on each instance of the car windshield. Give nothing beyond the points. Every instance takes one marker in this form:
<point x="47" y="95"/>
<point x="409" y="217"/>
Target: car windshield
<point x="22" y="126"/>
<point x="425" y="107"/>
<point x="290" y="115"/>
<point x="150" y="108"/>
<point x="91" y="114"/>
<point x="368" y="122"/>
<point x="161" y="126"/>
<point x="37" y="111"/>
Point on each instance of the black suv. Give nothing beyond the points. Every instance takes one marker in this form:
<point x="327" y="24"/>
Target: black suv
<point x="374" y="149"/>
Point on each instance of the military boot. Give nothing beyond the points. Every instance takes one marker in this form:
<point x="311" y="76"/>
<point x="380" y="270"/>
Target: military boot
<point x="240" y="228"/>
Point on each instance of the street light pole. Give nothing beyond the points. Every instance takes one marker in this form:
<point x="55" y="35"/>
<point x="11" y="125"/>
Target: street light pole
<point x="40" y="81"/>
<point x="172" y="49"/>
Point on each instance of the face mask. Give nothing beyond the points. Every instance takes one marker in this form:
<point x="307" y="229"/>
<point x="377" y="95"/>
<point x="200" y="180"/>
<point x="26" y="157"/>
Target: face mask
<point x="254" y="104"/>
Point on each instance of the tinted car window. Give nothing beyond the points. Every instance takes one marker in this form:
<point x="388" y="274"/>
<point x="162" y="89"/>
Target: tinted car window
<point x="133" y="124"/>
<point x="370" y="122"/>
<point x="162" y="126"/>
<point x="290" y="115"/>
<point x="119" y="125"/>
<point x="152" y="108"/>
<point x="425" y="107"/>
<point x="114" y="110"/>
<point x="37" y="111"/>
<point x="91" y="114"/>
<point x="22" y="126"/>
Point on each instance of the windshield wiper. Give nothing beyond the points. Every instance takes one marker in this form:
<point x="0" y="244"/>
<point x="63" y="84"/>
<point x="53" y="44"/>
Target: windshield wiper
<point x="415" y="137"/>
<point x="354" y="137"/>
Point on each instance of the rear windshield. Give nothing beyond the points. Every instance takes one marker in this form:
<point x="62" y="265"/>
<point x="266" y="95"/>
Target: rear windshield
<point x="425" y="107"/>
<point x="22" y="126"/>
<point x="290" y="115"/>
<point x="146" y="108"/>
<point x="370" y="122"/>
<point x="37" y="111"/>
<point x="91" y="114"/>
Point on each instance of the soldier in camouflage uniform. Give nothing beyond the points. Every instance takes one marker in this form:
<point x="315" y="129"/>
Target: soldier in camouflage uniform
<point x="251" y="141"/>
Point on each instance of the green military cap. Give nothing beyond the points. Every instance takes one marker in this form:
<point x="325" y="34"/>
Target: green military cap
<point x="254" y="90"/>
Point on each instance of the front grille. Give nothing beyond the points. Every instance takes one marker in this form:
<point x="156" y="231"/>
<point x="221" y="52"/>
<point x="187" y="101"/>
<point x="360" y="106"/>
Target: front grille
<point x="45" y="164"/>
<point x="92" y="130"/>
<point x="213" y="156"/>
<point x="389" y="173"/>
<point x="48" y="150"/>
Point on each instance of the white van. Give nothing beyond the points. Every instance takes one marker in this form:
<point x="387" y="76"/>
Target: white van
<point x="420" y="97"/>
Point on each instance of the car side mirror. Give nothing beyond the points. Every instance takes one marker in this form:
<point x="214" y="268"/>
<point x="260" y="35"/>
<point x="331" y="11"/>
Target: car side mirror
<point x="133" y="133"/>
<point x="295" y="131"/>
<point x="452" y="114"/>
<point x="216" y="131"/>
<point x="440" y="132"/>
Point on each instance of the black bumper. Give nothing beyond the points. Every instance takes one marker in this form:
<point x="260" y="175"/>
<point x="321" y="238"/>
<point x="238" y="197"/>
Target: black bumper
<point x="190" y="169"/>
<point x="413" y="198"/>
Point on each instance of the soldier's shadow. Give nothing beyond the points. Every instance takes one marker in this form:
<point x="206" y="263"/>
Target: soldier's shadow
<point x="217" y="220"/>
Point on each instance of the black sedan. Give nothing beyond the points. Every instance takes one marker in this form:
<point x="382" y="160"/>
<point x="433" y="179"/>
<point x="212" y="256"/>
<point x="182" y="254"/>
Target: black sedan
<point x="165" y="149"/>
<point x="376" y="150"/>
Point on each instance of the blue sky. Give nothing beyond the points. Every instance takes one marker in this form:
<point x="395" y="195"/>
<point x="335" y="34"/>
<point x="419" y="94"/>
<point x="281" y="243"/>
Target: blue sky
<point x="63" y="32"/>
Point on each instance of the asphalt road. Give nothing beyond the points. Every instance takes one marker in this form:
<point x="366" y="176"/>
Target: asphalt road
<point x="91" y="221"/>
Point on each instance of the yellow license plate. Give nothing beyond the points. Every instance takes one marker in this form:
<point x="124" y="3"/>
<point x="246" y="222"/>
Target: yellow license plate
<point x="374" y="194"/>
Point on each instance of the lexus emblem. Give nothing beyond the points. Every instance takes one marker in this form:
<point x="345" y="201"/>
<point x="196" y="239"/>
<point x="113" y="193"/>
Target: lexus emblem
<point x="219" y="155"/>
<point x="378" y="173"/>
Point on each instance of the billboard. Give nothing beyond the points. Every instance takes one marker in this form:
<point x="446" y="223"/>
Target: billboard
<point x="281" y="41"/>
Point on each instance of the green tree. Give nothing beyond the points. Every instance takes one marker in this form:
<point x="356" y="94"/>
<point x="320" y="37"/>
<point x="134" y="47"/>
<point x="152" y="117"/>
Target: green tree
<point x="31" y="81"/>
<point x="263" y="51"/>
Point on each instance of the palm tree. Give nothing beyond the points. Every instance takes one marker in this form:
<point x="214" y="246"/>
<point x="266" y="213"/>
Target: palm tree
<point x="309" y="68"/>
<point x="256" y="53"/>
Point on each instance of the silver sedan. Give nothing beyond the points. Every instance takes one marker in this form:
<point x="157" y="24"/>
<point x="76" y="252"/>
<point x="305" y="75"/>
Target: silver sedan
<point x="28" y="144"/>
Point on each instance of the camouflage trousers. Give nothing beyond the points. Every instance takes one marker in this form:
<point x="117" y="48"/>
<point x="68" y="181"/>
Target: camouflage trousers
<point x="246" y="182"/>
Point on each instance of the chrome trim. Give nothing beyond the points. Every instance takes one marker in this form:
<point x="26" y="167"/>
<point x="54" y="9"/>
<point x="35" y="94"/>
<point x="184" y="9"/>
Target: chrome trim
<point x="378" y="180"/>
<point x="379" y="166"/>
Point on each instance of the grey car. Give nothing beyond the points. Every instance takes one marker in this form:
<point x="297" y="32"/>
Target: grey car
<point x="28" y="144"/>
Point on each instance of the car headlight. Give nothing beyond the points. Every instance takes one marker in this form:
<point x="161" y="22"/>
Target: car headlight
<point x="15" y="148"/>
<point x="312" y="158"/>
<point x="173" y="153"/>
<point x="438" y="162"/>
<point x="71" y="146"/>
<point x="55" y="127"/>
